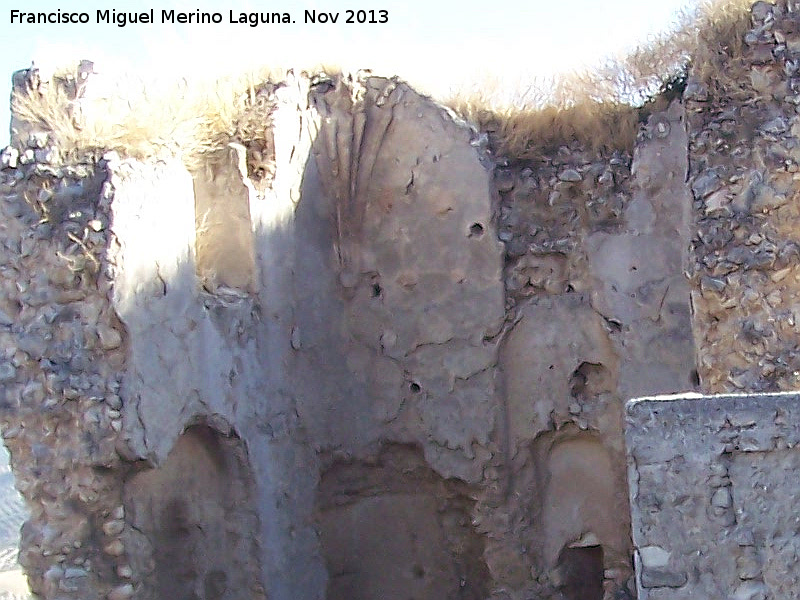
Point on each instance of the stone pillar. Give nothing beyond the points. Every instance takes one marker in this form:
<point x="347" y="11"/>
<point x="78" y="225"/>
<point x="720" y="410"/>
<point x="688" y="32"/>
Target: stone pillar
<point x="63" y="351"/>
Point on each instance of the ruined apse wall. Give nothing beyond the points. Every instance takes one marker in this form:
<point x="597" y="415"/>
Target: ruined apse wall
<point x="318" y="378"/>
<point x="744" y="156"/>
<point x="391" y="365"/>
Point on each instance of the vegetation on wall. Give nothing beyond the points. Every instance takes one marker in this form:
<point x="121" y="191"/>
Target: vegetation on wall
<point x="190" y="119"/>
<point x="599" y="109"/>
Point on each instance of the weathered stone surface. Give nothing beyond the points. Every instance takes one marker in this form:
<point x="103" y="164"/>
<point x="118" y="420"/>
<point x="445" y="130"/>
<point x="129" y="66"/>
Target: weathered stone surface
<point x="414" y="239"/>
<point x="654" y="577"/>
<point x="711" y="502"/>
<point x="224" y="241"/>
<point x="743" y="172"/>
<point x="274" y="351"/>
<point x="372" y="514"/>
<point x="387" y="323"/>
<point x="599" y="310"/>
<point x="355" y="302"/>
<point x="654" y="556"/>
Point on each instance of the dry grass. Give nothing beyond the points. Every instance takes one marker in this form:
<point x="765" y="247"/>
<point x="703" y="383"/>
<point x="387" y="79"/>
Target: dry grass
<point x="186" y="118"/>
<point x="601" y="109"/>
<point x="717" y="36"/>
<point x="536" y="128"/>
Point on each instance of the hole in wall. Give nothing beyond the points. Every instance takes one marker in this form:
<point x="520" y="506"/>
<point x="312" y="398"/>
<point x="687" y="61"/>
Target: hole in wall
<point x="590" y="379"/>
<point x="197" y="512"/>
<point x="581" y="570"/>
<point x="391" y="527"/>
<point x="261" y="164"/>
<point x="612" y="325"/>
<point x="476" y="230"/>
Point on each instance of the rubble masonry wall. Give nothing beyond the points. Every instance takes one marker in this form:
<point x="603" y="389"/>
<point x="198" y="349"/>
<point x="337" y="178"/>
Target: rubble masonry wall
<point x="396" y="323"/>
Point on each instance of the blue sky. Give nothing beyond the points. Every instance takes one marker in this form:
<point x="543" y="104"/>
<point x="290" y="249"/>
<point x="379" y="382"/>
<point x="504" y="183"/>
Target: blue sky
<point x="440" y="45"/>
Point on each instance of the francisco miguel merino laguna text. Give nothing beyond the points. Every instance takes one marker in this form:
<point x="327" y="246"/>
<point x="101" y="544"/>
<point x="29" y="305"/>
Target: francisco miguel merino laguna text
<point x="253" y="19"/>
<point x="122" y="18"/>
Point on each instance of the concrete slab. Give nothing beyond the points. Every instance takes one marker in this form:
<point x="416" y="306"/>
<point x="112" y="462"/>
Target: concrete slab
<point x="713" y="489"/>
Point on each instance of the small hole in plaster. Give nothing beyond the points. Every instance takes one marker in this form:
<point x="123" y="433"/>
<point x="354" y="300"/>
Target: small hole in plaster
<point x="613" y="325"/>
<point x="588" y="380"/>
<point x="694" y="378"/>
<point x="377" y="290"/>
<point x="415" y="388"/>
<point x="476" y="230"/>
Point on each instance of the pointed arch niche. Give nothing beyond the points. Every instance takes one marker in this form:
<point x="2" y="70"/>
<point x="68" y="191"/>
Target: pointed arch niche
<point x="196" y="511"/>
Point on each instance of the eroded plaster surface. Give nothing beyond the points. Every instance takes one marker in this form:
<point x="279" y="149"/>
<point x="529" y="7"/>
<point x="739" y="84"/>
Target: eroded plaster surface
<point x="385" y="321"/>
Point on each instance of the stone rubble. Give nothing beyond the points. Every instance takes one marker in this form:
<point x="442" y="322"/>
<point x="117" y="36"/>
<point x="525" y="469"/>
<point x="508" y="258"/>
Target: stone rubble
<point x="62" y="352"/>
<point x="745" y="157"/>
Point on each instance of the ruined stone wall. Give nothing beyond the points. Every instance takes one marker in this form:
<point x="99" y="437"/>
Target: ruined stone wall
<point x="744" y="156"/>
<point x="597" y="301"/>
<point x="62" y="357"/>
<point x="399" y="311"/>
<point x="389" y="325"/>
<point x="395" y="337"/>
<point x="711" y="478"/>
<point x="391" y="361"/>
<point x="249" y="372"/>
<point x="396" y="362"/>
